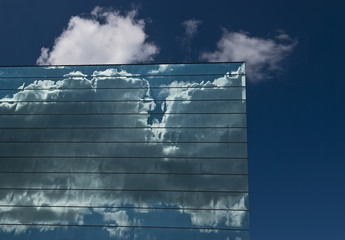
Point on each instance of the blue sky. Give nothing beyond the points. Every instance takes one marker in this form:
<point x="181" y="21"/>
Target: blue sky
<point x="294" y="52"/>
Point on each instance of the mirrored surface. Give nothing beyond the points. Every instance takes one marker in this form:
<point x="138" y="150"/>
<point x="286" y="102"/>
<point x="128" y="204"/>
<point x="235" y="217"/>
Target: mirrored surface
<point x="124" y="152"/>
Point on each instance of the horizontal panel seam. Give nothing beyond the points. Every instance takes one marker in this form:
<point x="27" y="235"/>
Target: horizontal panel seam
<point x="110" y="114"/>
<point x="121" y="226"/>
<point x="89" y="142"/>
<point x="124" y="207"/>
<point x="126" y="100"/>
<point x="128" y="76"/>
<point x="120" y="190"/>
<point x="126" y="157"/>
<point x="124" y="173"/>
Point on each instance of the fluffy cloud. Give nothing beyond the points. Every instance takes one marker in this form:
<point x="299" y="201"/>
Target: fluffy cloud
<point x="263" y="56"/>
<point x="105" y="37"/>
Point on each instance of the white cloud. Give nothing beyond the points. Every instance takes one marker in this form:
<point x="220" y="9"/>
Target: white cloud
<point x="263" y="56"/>
<point x="161" y="69"/>
<point x="185" y="104"/>
<point x="105" y="37"/>
<point x="191" y="27"/>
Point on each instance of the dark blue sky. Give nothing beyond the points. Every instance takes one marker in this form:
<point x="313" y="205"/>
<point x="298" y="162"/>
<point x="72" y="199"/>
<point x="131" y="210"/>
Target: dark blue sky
<point x="295" y="118"/>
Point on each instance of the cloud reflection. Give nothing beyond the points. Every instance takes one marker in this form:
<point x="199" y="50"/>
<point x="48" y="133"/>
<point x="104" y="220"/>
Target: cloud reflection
<point x="149" y="152"/>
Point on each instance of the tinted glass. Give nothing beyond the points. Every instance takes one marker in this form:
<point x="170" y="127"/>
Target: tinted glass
<point x="124" y="152"/>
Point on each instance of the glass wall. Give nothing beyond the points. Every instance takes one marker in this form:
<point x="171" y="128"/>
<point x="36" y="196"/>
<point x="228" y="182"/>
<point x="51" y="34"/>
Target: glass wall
<point x="124" y="152"/>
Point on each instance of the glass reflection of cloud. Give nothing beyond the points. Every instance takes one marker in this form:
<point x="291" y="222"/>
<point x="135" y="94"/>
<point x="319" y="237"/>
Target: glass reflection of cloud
<point x="127" y="207"/>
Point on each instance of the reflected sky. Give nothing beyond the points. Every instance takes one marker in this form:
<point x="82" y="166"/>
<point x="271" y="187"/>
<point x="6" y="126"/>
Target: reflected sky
<point x="124" y="152"/>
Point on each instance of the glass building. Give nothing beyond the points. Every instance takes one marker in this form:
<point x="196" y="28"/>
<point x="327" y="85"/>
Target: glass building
<point x="124" y="152"/>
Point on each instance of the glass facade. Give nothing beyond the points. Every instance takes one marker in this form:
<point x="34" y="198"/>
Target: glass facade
<point x="124" y="152"/>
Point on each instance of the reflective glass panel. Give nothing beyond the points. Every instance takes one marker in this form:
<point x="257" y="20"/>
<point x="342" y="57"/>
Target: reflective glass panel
<point x="124" y="152"/>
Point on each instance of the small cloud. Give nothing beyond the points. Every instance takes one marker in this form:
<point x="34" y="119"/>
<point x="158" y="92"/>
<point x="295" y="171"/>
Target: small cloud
<point x="161" y="69"/>
<point x="263" y="56"/>
<point x="191" y="28"/>
<point x="104" y="37"/>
